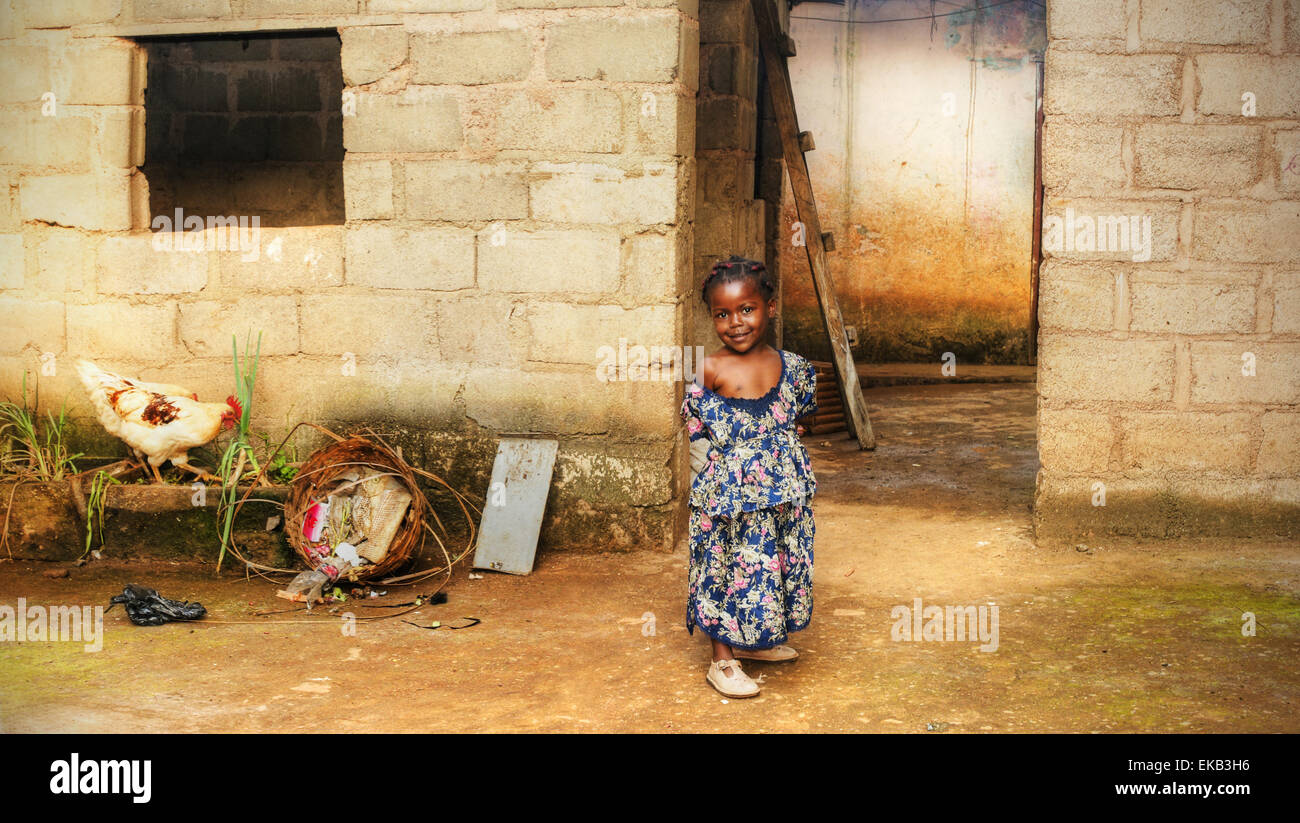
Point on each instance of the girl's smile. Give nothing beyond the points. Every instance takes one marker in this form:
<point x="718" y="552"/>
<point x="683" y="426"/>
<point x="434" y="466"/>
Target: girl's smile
<point x="740" y="314"/>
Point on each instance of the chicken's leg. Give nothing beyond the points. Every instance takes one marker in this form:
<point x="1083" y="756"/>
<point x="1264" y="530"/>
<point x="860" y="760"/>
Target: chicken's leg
<point x="205" y="476"/>
<point x="156" y="475"/>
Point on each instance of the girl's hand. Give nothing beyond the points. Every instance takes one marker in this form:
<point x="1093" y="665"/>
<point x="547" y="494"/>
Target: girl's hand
<point x="799" y="430"/>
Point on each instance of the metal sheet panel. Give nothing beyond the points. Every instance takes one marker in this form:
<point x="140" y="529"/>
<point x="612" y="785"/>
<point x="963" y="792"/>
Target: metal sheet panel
<point x="516" y="501"/>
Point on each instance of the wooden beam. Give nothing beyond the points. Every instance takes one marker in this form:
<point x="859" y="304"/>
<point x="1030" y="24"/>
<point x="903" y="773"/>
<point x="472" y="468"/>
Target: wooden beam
<point x="806" y="143"/>
<point x="776" y="46"/>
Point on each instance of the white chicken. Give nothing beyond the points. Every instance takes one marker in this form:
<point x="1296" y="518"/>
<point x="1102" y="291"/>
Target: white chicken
<point x="159" y="421"/>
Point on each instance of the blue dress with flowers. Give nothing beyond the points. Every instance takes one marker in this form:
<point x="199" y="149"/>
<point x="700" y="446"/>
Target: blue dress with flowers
<point x="751" y="525"/>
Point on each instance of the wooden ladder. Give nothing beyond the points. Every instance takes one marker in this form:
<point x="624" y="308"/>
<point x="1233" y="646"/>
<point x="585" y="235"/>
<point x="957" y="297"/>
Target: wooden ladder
<point x="776" y="46"/>
<point x="829" y="417"/>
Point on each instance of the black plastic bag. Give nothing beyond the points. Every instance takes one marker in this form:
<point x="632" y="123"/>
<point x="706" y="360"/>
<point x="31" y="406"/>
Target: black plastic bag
<point x="145" y="607"/>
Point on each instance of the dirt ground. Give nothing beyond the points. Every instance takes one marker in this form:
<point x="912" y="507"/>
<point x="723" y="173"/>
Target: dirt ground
<point x="1121" y="636"/>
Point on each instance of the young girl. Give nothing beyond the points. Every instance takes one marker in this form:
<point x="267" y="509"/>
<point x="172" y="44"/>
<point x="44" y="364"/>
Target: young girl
<point x="751" y="525"/>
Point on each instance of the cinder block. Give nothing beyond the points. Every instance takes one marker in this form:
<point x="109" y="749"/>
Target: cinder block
<point x="1075" y="296"/>
<point x="283" y="259"/>
<point x="465" y="190"/>
<point x="650" y="267"/>
<point x="726" y="21"/>
<point x="595" y="193"/>
<point x="1211" y="22"/>
<point x="149" y="11"/>
<point x="567" y="333"/>
<point x="202" y="88"/>
<point x="722" y="124"/>
<point x="558" y="260"/>
<point x="1101" y="369"/>
<point x="206" y="326"/>
<point x="285" y="89"/>
<point x="508" y="399"/>
<point x="1220" y="371"/>
<point x="1183" y="156"/>
<point x="1286" y="306"/>
<point x="1247" y="232"/>
<point x="10" y="216"/>
<point x="1279" y="450"/>
<point x="605" y="473"/>
<point x="368" y="189"/>
<point x="1173" y="302"/>
<point x="1094" y="20"/>
<point x="646" y="50"/>
<point x="99" y="72"/>
<point x="722" y="68"/>
<point x="132" y="265"/>
<point x="1187" y="441"/>
<point x="370" y="52"/>
<point x="1072" y="442"/>
<point x="53" y="14"/>
<point x="1225" y="78"/>
<point x="12" y="263"/>
<point x="1286" y="147"/>
<point x="478" y="330"/>
<point x="296" y="138"/>
<point x="471" y="58"/>
<point x="101" y="329"/>
<point x="660" y="123"/>
<point x="119" y="138"/>
<point x="35" y="323"/>
<point x="557" y="118"/>
<point x="296" y="186"/>
<point x="31" y="139"/>
<point x="64" y="261"/>
<point x="1087" y="230"/>
<point x="24" y="73"/>
<point x="1292" y="17"/>
<point x="431" y="259"/>
<point x="418" y="119"/>
<point x="1082" y="159"/>
<point x="1106" y="85"/>
<point x="368" y="327"/>
<point x="88" y="201"/>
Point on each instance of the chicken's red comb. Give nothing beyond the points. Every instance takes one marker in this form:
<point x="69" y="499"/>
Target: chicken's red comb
<point x="234" y="403"/>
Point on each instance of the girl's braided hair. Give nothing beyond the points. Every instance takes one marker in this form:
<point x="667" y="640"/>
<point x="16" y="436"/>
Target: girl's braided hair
<point x="739" y="268"/>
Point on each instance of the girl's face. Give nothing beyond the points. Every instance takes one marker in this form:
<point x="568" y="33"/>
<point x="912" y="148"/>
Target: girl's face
<point x="740" y="314"/>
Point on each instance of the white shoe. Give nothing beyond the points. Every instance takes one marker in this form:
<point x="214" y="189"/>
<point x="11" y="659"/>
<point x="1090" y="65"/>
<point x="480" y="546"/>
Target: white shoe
<point x="776" y="653"/>
<point x="727" y="677"/>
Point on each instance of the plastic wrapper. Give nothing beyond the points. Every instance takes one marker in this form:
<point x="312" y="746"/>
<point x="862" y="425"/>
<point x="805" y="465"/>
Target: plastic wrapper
<point x="145" y="607"/>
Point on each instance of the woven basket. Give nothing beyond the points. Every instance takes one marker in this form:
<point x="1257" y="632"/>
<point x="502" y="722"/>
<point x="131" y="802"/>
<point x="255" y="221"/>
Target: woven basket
<point x="323" y="468"/>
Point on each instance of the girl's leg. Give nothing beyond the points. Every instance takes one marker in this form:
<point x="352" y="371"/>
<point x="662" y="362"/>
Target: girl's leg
<point x="721" y="651"/>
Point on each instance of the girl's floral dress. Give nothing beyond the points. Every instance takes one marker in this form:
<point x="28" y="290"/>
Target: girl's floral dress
<point x="751" y="526"/>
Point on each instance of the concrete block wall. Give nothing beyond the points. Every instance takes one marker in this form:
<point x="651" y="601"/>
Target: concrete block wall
<point x="1169" y="374"/>
<point x="728" y="218"/>
<point x="519" y="186"/>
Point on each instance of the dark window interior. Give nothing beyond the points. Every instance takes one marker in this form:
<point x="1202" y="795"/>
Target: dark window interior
<point x="246" y="125"/>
